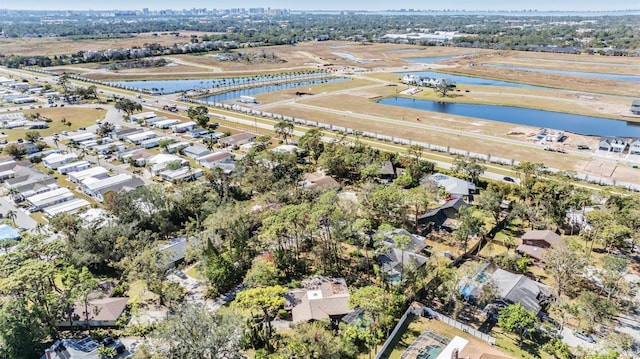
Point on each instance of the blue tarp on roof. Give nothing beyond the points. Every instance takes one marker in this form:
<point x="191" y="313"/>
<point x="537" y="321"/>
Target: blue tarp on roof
<point x="8" y="232"/>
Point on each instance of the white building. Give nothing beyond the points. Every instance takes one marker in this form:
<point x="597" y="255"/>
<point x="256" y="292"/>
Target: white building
<point x="137" y="138"/>
<point x="152" y="120"/>
<point x="184" y="127"/>
<point x="81" y="137"/>
<point x="216" y="159"/>
<point x="142" y="116"/>
<point x="97" y="188"/>
<point x="160" y="162"/>
<point x="166" y="123"/>
<point x="176" y="147"/>
<point x="50" y="198"/>
<point x="73" y="167"/>
<point x="182" y="174"/>
<point x="56" y="160"/>
<point x="107" y="148"/>
<point x="195" y="151"/>
<point x="93" y="172"/>
<point x="71" y="206"/>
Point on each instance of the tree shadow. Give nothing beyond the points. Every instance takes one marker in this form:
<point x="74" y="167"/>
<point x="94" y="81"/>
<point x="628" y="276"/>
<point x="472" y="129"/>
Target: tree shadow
<point x="487" y="326"/>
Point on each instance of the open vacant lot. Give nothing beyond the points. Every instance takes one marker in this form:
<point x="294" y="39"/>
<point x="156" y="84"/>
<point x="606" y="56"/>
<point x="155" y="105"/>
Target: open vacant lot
<point x="50" y="46"/>
<point x="75" y="116"/>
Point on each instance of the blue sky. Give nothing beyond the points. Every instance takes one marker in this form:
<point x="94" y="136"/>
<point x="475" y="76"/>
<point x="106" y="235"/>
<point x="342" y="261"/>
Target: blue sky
<point x="577" y="5"/>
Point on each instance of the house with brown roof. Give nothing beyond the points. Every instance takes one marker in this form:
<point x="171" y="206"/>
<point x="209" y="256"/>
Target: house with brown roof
<point x="320" y="298"/>
<point x="103" y="312"/>
<point x="536" y="243"/>
<point x="319" y="180"/>
<point x="237" y="139"/>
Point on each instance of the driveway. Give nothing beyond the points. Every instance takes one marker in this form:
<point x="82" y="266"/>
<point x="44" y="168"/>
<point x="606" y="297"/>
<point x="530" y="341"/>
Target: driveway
<point x="196" y="291"/>
<point x="23" y="220"/>
<point x="573" y="341"/>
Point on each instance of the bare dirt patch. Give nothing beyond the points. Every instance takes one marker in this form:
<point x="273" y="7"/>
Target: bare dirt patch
<point x="49" y="46"/>
<point x="306" y="91"/>
<point x="600" y="168"/>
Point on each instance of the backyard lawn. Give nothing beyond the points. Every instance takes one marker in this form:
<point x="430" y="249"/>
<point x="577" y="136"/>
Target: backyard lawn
<point x="508" y="343"/>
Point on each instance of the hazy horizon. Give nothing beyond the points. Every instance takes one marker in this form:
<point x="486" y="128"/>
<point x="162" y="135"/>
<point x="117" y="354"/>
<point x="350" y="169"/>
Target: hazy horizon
<point x="468" y="5"/>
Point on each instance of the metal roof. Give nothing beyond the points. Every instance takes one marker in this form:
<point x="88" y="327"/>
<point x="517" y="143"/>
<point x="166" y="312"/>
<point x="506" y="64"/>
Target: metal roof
<point x="8" y="232"/>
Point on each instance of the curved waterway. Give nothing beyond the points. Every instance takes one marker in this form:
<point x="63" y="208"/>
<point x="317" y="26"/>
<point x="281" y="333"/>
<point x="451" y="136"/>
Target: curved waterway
<point x="171" y="86"/>
<point x="231" y="95"/>
<point x="579" y="124"/>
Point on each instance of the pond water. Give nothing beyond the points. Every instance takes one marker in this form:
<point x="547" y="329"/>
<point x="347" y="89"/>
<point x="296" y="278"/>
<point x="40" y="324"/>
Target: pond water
<point x="595" y="75"/>
<point x="585" y="125"/>
<point x="351" y="57"/>
<point x="226" y="96"/>
<point x="468" y="80"/>
<point x="171" y="86"/>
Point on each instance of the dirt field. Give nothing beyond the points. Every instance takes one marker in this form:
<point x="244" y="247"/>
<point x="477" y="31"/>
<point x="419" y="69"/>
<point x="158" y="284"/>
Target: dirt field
<point x="50" y="46"/>
<point x="290" y="94"/>
<point x="464" y="140"/>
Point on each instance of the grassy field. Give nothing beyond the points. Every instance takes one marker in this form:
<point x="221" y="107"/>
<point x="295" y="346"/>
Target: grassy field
<point x="76" y="116"/>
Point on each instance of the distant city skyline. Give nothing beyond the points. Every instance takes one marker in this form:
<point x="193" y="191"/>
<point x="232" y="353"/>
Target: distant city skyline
<point x="469" y="5"/>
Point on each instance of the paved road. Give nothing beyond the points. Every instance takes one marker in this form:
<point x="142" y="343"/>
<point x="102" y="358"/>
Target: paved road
<point x="23" y="220"/>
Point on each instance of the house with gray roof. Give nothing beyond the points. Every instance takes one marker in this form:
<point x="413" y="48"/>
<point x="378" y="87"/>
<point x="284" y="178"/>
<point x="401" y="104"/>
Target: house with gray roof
<point x="518" y="288"/>
<point x="536" y="243"/>
<point x="444" y="217"/>
<point x="456" y="187"/>
<point x="392" y="260"/>
<point x="511" y="288"/>
<point x="635" y="107"/>
<point x="613" y="144"/>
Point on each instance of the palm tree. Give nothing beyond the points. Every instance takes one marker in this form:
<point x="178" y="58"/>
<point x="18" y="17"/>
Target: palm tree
<point x="402" y="241"/>
<point x="39" y="228"/>
<point x="284" y="130"/>
<point x="13" y="192"/>
<point x="12" y="214"/>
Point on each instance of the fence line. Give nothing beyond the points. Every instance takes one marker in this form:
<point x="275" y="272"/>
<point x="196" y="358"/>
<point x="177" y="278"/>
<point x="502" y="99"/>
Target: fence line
<point x="407" y="314"/>
<point x="467" y="329"/>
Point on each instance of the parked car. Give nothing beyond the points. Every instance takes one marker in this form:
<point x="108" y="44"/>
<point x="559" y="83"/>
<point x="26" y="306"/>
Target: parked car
<point x="584" y="336"/>
<point x="583" y="147"/>
<point x="509" y="179"/>
<point x="3" y="142"/>
<point x="82" y="128"/>
<point x="20" y="140"/>
<point x="429" y="313"/>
